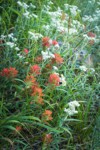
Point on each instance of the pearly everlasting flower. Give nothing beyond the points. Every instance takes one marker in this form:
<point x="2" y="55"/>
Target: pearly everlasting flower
<point x="19" y="3"/>
<point x="10" y="35"/>
<point x="26" y="14"/>
<point x="72" y="108"/>
<point x="73" y="104"/>
<point x="20" y="56"/>
<point x="17" y="49"/>
<point x="72" y="31"/>
<point x="34" y="36"/>
<point x="55" y="68"/>
<point x="46" y="27"/>
<point x="24" y="5"/>
<point x="46" y="55"/>
<point x="3" y="36"/>
<point x="10" y="44"/>
<point x="34" y="15"/>
<point x="83" y="68"/>
<point x="92" y="69"/>
<point x="70" y="112"/>
<point x="62" y="80"/>
<point x="33" y="6"/>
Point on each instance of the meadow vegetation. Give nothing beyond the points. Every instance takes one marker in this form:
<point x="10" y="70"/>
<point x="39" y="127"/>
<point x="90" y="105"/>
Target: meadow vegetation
<point x="49" y="75"/>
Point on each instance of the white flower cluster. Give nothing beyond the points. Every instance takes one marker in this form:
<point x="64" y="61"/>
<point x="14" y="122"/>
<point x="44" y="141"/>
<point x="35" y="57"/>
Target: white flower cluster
<point x="73" y="9"/>
<point x="72" y="108"/>
<point x="46" y="55"/>
<point x="62" y="80"/>
<point x="8" y="38"/>
<point x="27" y="13"/>
<point x="85" y="69"/>
<point x="59" y="20"/>
<point x="34" y="36"/>
<point x="22" y="4"/>
<point x="95" y="16"/>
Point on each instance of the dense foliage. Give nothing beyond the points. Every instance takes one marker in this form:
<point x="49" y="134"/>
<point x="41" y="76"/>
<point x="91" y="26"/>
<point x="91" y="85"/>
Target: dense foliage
<point x="49" y="75"/>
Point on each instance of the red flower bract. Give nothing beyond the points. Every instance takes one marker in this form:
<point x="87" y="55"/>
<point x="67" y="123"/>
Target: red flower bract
<point x="35" y="69"/>
<point x="38" y="59"/>
<point x="5" y="72"/>
<point x="58" y="59"/>
<point x="9" y="72"/>
<point x="26" y="51"/>
<point x="47" y="115"/>
<point x="47" y="138"/>
<point x="18" y="128"/>
<point x="54" y="79"/>
<point x="36" y="91"/>
<point x="91" y="34"/>
<point x="46" y="41"/>
<point x="54" y="42"/>
<point x="30" y="80"/>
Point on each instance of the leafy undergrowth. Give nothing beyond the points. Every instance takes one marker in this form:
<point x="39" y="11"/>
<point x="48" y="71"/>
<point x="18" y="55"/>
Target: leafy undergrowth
<point x="49" y="79"/>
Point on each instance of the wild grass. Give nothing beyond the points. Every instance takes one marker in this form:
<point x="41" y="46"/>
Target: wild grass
<point x="53" y="102"/>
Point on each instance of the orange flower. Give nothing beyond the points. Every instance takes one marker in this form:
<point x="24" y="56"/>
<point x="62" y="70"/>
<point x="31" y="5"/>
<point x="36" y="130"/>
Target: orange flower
<point x="35" y="69"/>
<point x="18" y="128"/>
<point x="40" y="100"/>
<point x="36" y="91"/>
<point x="54" y="79"/>
<point x="46" y="41"/>
<point x="47" y="138"/>
<point x="91" y="34"/>
<point x="38" y="59"/>
<point x="26" y="51"/>
<point x="58" y="59"/>
<point x="30" y="80"/>
<point x="47" y="115"/>
<point x="13" y="72"/>
<point x="54" y="42"/>
<point x="48" y="66"/>
<point x="5" y="72"/>
<point x="9" y="72"/>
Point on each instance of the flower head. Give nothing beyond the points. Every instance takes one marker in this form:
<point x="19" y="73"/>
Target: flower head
<point x="9" y="72"/>
<point x="91" y="34"/>
<point x="55" y="43"/>
<point x="30" y="81"/>
<point x="26" y="51"/>
<point x="37" y="91"/>
<point x="13" y="72"/>
<point x="58" y="59"/>
<point x="54" y="79"/>
<point x="18" y="128"/>
<point x="35" y="69"/>
<point x="47" y="138"/>
<point x="38" y="59"/>
<point x="47" y="115"/>
<point x="46" y="41"/>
